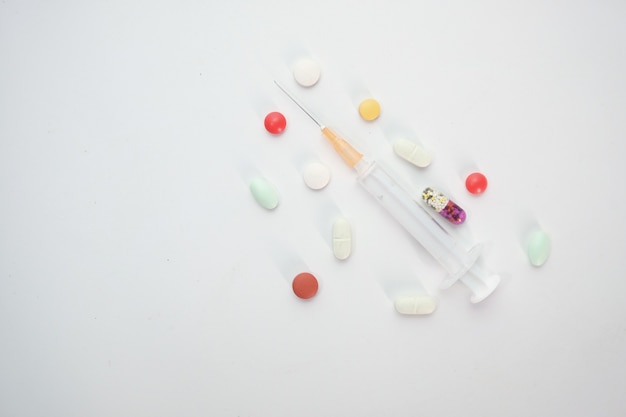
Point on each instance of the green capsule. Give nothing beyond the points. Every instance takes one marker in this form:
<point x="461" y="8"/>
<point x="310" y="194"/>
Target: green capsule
<point x="264" y="193"/>
<point x="538" y="248"/>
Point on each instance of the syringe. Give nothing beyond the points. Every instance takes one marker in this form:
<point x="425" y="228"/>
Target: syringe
<point x="457" y="261"/>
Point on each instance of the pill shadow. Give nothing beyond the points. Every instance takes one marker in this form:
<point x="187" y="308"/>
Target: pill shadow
<point x="288" y="262"/>
<point x="398" y="283"/>
<point x="394" y="130"/>
<point x="528" y="224"/>
<point x="292" y="53"/>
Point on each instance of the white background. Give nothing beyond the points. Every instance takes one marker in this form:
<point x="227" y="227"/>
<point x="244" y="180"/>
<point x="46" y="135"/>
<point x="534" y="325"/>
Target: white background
<point x="138" y="277"/>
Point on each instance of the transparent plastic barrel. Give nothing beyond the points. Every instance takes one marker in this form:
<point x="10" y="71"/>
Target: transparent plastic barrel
<point x="409" y="213"/>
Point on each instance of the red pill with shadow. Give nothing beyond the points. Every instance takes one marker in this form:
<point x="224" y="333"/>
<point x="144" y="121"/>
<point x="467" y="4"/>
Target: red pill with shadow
<point x="275" y="123"/>
<point x="476" y="183"/>
<point x="305" y="285"/>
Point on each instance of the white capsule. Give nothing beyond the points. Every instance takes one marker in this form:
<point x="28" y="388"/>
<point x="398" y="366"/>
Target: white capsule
<point x="412" y="152"/>
<point x="420" y="304"/>
<point x="342" y="239"/>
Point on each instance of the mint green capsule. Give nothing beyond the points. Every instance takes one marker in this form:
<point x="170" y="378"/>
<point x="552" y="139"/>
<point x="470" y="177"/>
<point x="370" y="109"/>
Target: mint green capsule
<point x="538" y="248"/>
<point x="264" y="193"/>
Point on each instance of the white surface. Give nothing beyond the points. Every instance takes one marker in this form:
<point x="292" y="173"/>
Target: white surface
<point x="138" y="277"/>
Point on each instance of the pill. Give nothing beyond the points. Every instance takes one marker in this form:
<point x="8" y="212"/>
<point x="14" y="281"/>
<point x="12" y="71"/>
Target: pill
<point x="447" y="208"/>
<point x="538" y="248"/>
<point x="304" y="285"/>
<point x="342" y="238"/>
<point x="414" y="305"/>
<point x="264" y="193"/>
<point x="412" y="152"/>
<point x="275" y="122"/>
<point x="316" y="175"/>
<point x="476" y="183"/>
<point x="369" y="109"/>
<point x="306" y="72"/>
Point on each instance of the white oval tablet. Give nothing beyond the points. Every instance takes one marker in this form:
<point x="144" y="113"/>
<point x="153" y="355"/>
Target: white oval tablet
<point x="420" y="304"/>
<point x="342" y="239"/>
<point x="306" y="72"/>
<point x="412" y="152"/>
<point x="316" y="175"/>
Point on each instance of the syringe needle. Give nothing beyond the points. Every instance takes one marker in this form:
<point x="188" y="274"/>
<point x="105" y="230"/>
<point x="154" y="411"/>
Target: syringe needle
<point x="308" y="113"/>
<point x="349" y="155"/>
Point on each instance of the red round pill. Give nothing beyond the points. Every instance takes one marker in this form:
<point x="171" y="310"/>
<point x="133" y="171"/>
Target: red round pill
<point x="476" y="183"/>
<point x="304" y="285"/>
<point x="275" y="122"/>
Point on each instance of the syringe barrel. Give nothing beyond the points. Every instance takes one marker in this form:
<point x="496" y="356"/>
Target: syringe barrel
<point x="413" y="217"/>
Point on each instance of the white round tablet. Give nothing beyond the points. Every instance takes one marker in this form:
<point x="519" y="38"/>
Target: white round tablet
<point x="306" y="72"/>
<point x="316" y="175"/>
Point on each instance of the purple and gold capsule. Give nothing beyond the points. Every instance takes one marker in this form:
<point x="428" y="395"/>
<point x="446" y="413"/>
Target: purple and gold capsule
<point x="444" y="206"/>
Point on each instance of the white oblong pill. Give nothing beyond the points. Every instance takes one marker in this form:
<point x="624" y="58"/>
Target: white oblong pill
<point x="412" y="152"/>
<point x="342" y="239"/>
<point x="306" y="72"/>
<point x="316" y="175"/>
<point x="414" y="305"/>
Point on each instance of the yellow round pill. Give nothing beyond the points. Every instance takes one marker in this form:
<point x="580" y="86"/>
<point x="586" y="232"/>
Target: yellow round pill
<point x="369" y="109"/>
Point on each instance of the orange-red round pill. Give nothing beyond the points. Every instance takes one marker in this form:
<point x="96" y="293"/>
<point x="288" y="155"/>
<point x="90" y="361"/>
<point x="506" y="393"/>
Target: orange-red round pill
<point x="275" y="122"/>
<point x="476" y="183"/>
<point x="304" y="285"/>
